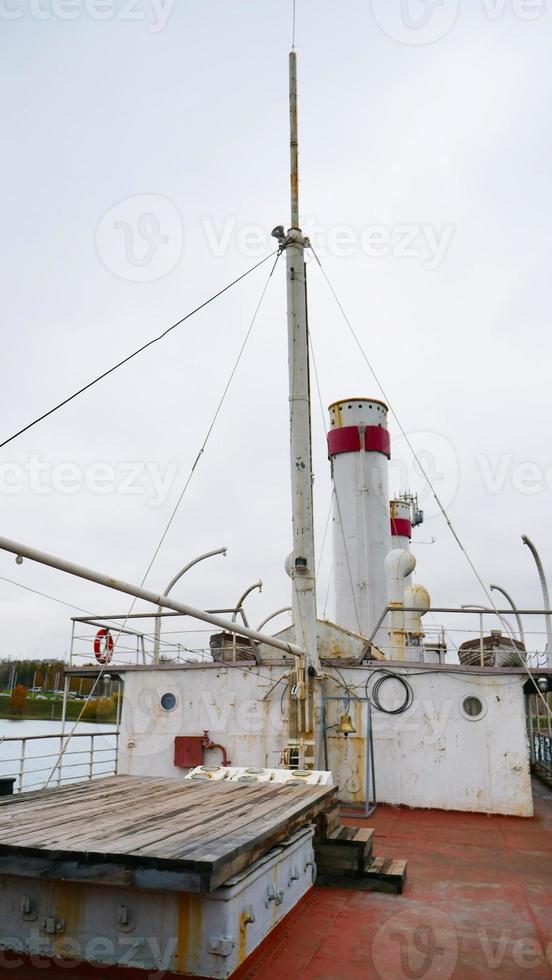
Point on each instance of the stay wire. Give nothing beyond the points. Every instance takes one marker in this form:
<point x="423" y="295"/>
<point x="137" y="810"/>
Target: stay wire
<point x="70" y="605"/>
<point x="213" y="421"/>
<point x="181" y="496"/>
<point x="135" y="353"/>
<point x="334" y="488"/>
<point x="320" y="402"/>
<point x="426" y="477"/>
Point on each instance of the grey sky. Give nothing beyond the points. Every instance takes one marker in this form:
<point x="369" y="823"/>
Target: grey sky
<point x="443" y="145"/>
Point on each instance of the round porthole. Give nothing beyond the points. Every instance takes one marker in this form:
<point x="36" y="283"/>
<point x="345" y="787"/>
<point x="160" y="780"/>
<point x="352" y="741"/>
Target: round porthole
<point x="168" y="701"/>
<point x="473" y="708"/>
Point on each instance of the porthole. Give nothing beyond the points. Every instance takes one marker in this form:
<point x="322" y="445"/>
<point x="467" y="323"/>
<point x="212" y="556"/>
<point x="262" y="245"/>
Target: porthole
<point x="473" y="708"/>
<point x="168" y="701"/>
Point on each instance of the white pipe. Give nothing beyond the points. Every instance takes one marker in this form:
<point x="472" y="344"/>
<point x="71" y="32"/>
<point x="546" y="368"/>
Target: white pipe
<point x="498" y="588"/>
<point x="279" y="612"/>
<point x="170" y="586"/>
<point x="546" y="595"/>
<point x="239" y="604"/>
<point x="399" y="565"/>
<point x="109" y="582"/>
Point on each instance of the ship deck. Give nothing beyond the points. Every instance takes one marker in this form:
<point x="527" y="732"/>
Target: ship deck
<point x="477" y="902"/>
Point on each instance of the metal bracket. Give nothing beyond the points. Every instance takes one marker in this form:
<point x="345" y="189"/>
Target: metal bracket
<point x="124" y="922"/>
<point x="52" y="926"/>
<point x="250" y="916"/>
<point x="275" y="895"/>
<point x="293" y="876"/>
<point x="314" y="870"/>
<point x="27" y="909"/>
<point x="220" y="945"/>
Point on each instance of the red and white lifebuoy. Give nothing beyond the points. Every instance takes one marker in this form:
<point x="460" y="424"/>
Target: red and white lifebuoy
<point x="103" y="646"/>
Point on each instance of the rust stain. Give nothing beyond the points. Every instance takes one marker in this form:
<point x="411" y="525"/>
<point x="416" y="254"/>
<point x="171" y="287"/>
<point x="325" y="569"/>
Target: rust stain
<point x="66" y="902"/>
<point x="242" y="942"/>
<point x="189" y="933"/>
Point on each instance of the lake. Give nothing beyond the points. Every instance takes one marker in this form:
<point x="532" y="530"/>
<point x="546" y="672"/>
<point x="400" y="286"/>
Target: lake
<point x="39" y="743"/>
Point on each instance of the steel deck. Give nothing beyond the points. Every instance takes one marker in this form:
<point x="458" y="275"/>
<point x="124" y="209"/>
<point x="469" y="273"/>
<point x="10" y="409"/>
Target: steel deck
<point x="151" y="833"/>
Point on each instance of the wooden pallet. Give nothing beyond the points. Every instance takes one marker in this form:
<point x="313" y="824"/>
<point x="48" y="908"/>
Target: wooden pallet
<point x="344" y="859"/>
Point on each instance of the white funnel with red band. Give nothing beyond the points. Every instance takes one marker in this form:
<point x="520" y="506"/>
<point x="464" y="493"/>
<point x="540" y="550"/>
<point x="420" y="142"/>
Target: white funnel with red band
<point x="359" y="450"/>
<point x="416" y="597"/>
<point x="401" y="528"/>
<point x="401" y="524"/>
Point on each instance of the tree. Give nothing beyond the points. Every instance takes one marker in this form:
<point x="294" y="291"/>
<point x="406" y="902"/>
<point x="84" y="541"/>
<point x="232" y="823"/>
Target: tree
<point x="18" y="700"/>
<point x="105" y="710"/>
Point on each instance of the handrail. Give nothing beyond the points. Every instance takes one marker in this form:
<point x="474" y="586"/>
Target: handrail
<point x="21" y="738"/>
<point x="24" y="771"/>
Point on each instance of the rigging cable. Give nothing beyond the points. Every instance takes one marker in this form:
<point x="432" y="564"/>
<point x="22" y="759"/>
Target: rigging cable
<point x="334" y="489"/>
<point x="135" y="353"/>
<point x="70" y="605"/>
<point x="213" y="421"/>
<point x="425" y="475"/>
<point x="179" y="501"/>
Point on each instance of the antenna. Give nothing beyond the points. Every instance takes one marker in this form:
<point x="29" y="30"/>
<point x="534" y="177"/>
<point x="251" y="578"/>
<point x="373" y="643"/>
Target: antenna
<point x="293" y="27"/>
<point x="293" y="140"/>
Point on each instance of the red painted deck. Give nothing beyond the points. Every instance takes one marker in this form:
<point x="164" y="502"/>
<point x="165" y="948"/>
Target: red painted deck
<point x="478" y="903"/>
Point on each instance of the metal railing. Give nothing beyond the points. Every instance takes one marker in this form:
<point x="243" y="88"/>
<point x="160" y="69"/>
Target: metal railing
<point x="85" y="758"/>
<point x="539" y="726"/>
<point x="542" y="756"/>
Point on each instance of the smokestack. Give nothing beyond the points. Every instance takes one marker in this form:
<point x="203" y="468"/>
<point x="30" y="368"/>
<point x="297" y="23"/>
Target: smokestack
<point x="359" y="450"/>
<point x="401" y="528"/>
<point x="415" y="596"/>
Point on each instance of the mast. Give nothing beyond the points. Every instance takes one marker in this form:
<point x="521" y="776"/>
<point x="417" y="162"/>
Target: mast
<point x="303" y="562"/>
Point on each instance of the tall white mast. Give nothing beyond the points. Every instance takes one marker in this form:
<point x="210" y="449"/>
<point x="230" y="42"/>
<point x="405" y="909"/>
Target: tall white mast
<point x="302" y="562"/>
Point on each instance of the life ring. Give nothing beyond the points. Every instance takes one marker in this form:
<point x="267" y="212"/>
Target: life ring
<point x="103" y="646"/>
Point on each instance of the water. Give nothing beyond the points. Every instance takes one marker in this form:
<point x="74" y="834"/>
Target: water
<point x="41" y="754"/>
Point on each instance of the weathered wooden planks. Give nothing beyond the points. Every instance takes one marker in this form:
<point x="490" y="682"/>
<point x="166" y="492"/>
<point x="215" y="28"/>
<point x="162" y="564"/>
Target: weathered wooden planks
<point x="344" y="860"/>
<point x="152" y="830"/>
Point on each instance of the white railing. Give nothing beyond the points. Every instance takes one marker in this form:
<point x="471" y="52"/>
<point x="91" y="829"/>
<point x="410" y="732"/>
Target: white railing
<point x="35" y="760"/>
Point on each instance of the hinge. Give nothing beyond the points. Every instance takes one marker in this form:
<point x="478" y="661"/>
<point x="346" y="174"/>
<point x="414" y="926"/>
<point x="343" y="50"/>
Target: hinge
<point x="221" y="945"/>
<point x="27" y="909"/>
<point x="53" y="926"/>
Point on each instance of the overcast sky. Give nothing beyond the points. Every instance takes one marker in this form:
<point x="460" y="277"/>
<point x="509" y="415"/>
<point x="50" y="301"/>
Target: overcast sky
<point x="144" y="164"/>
